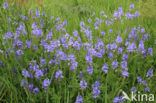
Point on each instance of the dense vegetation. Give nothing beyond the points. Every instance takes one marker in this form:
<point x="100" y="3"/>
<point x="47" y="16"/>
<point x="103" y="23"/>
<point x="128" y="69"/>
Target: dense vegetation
<point x="74" y="51"/>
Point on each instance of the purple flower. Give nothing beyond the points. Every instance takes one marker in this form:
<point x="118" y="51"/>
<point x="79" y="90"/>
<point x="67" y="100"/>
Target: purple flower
<point x="37" y="13"/>
<point x="73" y="65"/>
<point x="96" y="85"/>
<point x="131" y="6"/>
<point x="90" y="69"/>
<point x="147" y="89"/>
<point x="102" y="33"/>
<point x="118" y="39"/>
<point x="133" y="89"/>
<point x="59" y="74"/>
<point x="35" y="90"/>
<point x="131" y="47"/>
<point x="124" y="65"/>
<point x="144" y="82"/>
<point x="120" y="50"/>
<point x="42" y="61"/>
<point x="35" y="47"/>
<point x="149" y="73"/>
<point x="115" y="64"/>
<point x="28" y="44"/>
<point x="150" y="51"/>
<point x="89" y="20"/>
<point x="137" y="14"/>
<point x="125" y="57"/>
<point x="30" y="86"/>
<point x="141" y="45"/>
<point x="110" y="31"/>
<point x="113" y="46"/>
<point x="110" y="55"/>
<point x="139" y="79"/>
<point x="45" y="84"/>
<point x="24" y="82"/>
<point x="88" y="58"/>
<point x="25" y="73"/>
<point x="83" y="84"/>
<point x="79" y="99"/>
<point x="49" y="35"/>
<point x="105" y="68"/>
<point x="75" y="33"/>
<point x="125" y="74"/>
<point x="5" y="5"/>
<point x="96" y="91"/>
<point x="8" y="35"/>
<point x="71" y="57"/>
<point x="117" y="99"/>
<point x="38" y="73"/>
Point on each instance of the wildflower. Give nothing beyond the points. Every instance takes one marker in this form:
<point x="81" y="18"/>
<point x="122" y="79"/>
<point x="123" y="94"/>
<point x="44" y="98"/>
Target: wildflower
<point x="141" y="45"/>
<point x="96" y="91"/>
<point x="89" y="20"/>
<point x="144" y="82"/>
<point x="125" y="74"/>
<point x="9" y="19"/>
<point x="110" y="55"/>
<point x="25" y="73"/>
<point x="105" y="68"/>
<point x="73" y="65"/>
<point x="35" y="90"/>
<point x="45" y="84"/>
<point x="83" y="84"/>
<point x="42" y="61"/>
<point x="8" y="35"/>
<point x="115" y="64"/>
<point x="131" y="6"/>
<point x="117" y="99"/>
<point x="37" y="13"/>
<point x="149" y="73"/>
<point x="30" y="86"/>
<point x="28" y="44"/>
<point x="1" y="63"/>
<point x="38" y="73"/>
<point x="103" y="33"/>
<point x="90" y="69"/>
<point x="79" y="99"/>
<point x="120" y="50"/>
<point x="110" y="31"/>
<point x="113" y="46"/>
<point x="35" y="47"/>
<point x="150" y="51"/>
<point x="23" y="82"/>
<point x="88" y="58"/>
<point x="118" y="39"/>
<point x="147" y="89"/>
<point x="139" y="79"/>
<point x="124" y="65"/>
<point x="137" y="14"/>
<point x="133" y="89"/>
<point x="125" y="57"/>
<point x="49" y="35"/>
<point x="75" y="33"/>
<point x="131" y="47"/>
<point x="5" y="5"/>
<point x="59" y="74"/>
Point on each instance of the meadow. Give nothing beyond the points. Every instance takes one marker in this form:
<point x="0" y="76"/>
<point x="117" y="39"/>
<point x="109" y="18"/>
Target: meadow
<point x="78" y="51"/>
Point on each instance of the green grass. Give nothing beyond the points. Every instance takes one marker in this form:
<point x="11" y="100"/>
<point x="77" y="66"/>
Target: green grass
<point x="66" y="91"/>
